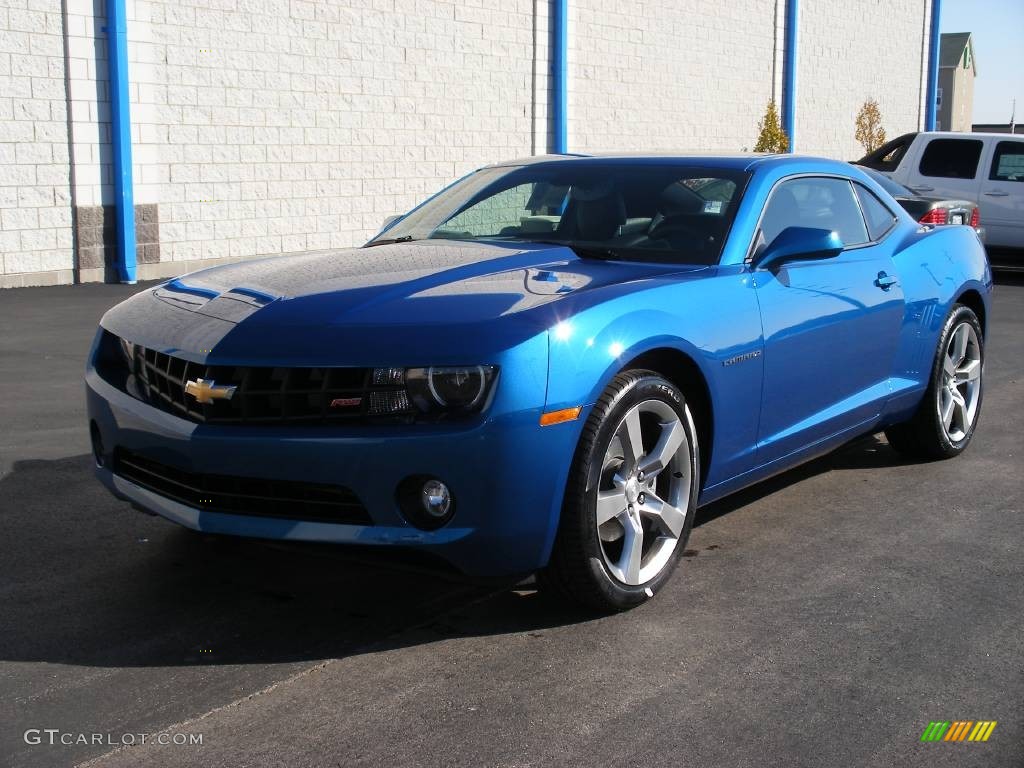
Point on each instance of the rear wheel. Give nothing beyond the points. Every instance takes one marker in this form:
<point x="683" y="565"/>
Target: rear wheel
<point x="945" y="421"/>
<point x="631" y="496"/>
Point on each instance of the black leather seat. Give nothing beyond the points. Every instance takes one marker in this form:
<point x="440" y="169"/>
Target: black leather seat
<point x="598" y="213"/>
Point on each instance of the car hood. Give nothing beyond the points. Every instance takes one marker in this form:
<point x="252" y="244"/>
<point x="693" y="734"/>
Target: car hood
<point x="404" y="283"/>
<point x="453" y="287"/>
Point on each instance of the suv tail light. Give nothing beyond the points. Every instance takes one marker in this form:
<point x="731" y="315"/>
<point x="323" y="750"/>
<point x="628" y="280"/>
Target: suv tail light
<point x="975" y="218"/>
<point x="934" y="216"/>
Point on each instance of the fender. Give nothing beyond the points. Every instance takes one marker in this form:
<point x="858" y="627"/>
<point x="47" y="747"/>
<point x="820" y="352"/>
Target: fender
<point x="936" y="268"/>
<point x="589" y="348"/>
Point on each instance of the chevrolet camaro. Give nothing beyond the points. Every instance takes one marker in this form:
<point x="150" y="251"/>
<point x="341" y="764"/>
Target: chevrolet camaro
<point x="548" y="366"/>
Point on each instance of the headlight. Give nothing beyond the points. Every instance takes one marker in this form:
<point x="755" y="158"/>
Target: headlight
<point x="453" y="389"/>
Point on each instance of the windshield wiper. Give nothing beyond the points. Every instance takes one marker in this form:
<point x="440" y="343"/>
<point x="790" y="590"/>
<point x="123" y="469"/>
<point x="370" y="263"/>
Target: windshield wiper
<point x="390" y="240"/>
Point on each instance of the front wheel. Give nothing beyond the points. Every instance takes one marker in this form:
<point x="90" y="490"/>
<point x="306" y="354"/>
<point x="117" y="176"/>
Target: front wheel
<point x="631" y="496"/>
<point x="948" y="415"/>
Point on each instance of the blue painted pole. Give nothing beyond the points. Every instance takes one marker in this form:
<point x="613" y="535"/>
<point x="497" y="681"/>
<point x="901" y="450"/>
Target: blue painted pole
<point x="560" y="77"/>
<point x="789" y="72"/>
<point x="932" y="92"/>
<point x="121" y="139"/>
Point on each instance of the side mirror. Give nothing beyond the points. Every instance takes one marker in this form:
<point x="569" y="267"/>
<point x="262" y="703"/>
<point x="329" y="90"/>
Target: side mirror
<point x="800" y="244"/>
<point x="389" y="221"/>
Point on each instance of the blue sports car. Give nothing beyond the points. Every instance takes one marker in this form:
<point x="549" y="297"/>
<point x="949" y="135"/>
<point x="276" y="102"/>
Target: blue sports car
<point x="548" y="366"/>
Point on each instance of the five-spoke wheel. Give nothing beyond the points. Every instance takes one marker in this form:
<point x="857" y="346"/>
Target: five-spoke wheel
<point x="948" y="414"/>
<point x="960" y="393"/>
<point x="631" y="496"/>
<point x="645" y="481"/>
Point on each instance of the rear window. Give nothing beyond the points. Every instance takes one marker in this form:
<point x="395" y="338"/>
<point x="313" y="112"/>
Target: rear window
<point x="887" y="157"/>
<point x="890" y="186"/>
<point x="1008" y="161"/>
<point x="951" y="158"/>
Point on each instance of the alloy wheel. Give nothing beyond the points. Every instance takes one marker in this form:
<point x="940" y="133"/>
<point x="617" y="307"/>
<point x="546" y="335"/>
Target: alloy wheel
<point x="643" y="497"/>
<point x="960" y="392"/>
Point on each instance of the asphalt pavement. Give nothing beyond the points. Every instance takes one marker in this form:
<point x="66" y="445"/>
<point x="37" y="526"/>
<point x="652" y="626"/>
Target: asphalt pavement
<point x="823" y="618"/>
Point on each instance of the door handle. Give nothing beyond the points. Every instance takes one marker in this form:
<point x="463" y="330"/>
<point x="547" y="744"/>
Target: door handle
<point x="884" y="281"/>
<point x="923" y="189"/>
<point x="997" y="193"/>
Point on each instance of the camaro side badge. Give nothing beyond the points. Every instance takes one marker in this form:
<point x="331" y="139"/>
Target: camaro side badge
<point x="741" y="358"/>
<point x="207" y="390"/>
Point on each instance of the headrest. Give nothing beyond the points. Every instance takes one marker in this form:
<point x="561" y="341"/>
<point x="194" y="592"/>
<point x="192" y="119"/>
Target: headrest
<point x="677" y="199"/>
<point x="593" y="191"/>
<point x="600" y="211"/>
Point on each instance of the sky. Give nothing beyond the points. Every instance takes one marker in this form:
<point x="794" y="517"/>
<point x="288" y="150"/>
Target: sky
<point x="997" y="27"/>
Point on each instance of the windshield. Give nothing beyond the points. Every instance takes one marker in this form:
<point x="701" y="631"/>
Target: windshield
<point x="649" y="212"/>
<point x="890" y="186"/>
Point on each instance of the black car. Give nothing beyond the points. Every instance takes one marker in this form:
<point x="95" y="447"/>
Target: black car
<point x="937" y="211"/>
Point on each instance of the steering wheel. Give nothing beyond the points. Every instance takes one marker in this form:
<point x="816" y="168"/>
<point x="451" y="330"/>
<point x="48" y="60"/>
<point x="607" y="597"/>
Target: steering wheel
<point x="667" y="228"/>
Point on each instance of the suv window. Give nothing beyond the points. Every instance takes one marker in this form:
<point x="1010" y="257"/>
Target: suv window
<point x="951" y="158"/>
<point x="1008" y="161"/>
<point x="878" y="216"/>
<point x="816" y="202"/>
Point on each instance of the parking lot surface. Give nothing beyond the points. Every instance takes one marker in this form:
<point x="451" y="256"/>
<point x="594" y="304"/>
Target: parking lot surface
<point x="823" y="618"/>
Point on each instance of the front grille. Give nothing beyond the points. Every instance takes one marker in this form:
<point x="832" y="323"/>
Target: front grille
<point x="284" y="499"/>
<point x="268" y="395"/>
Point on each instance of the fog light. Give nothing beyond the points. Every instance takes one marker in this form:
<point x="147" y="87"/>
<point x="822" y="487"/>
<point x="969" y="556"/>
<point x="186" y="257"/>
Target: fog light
<point x="436" y="498"/>
<point x="425" y="502"/>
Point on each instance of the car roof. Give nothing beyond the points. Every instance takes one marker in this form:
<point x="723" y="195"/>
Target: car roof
<point x="738" y="161"/>
<point x="966" y="135"/>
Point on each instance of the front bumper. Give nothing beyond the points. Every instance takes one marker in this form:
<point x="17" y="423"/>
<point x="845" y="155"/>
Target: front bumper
<point x="507" y="475"/>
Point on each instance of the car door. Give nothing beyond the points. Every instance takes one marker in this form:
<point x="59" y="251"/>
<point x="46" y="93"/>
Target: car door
<point x="948" y="168"/>
<point x="1002" y="195"/>
<point x="830" y="326"/>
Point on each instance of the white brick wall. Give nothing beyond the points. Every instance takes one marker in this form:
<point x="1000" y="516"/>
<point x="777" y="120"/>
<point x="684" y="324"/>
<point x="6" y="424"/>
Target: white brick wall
<point x="852" y="52"/>
<point x="270" y="126"/>
<point x="35" y="211"/>
<point x="685" y="75"/>
<point x="89" y="96"/>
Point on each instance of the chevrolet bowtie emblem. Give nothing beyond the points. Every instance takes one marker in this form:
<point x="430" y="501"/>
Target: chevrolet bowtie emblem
<point x="207" y="390"/>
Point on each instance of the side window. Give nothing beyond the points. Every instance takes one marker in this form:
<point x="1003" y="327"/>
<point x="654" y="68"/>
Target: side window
<point x="878" y="216"/>
<point x="1008" y="161"/>
<point x="951" y="158"/>
<point x="816" y="202"/>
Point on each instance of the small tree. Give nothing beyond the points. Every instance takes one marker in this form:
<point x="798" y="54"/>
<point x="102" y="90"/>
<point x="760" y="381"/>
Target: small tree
<point x="870" y="133"/>
<point x="771" y="137"/>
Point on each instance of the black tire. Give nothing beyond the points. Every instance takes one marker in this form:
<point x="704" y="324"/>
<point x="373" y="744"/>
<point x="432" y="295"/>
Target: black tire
<point x="578" y="570"/>
<point x="924" y="435"/>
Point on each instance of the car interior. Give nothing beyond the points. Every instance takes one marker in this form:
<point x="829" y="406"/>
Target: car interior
<point x="685" y="219"/>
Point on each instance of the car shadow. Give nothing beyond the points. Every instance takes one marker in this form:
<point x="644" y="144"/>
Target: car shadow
<point x="86" y="580"/>
<point x="867" y="452"/>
